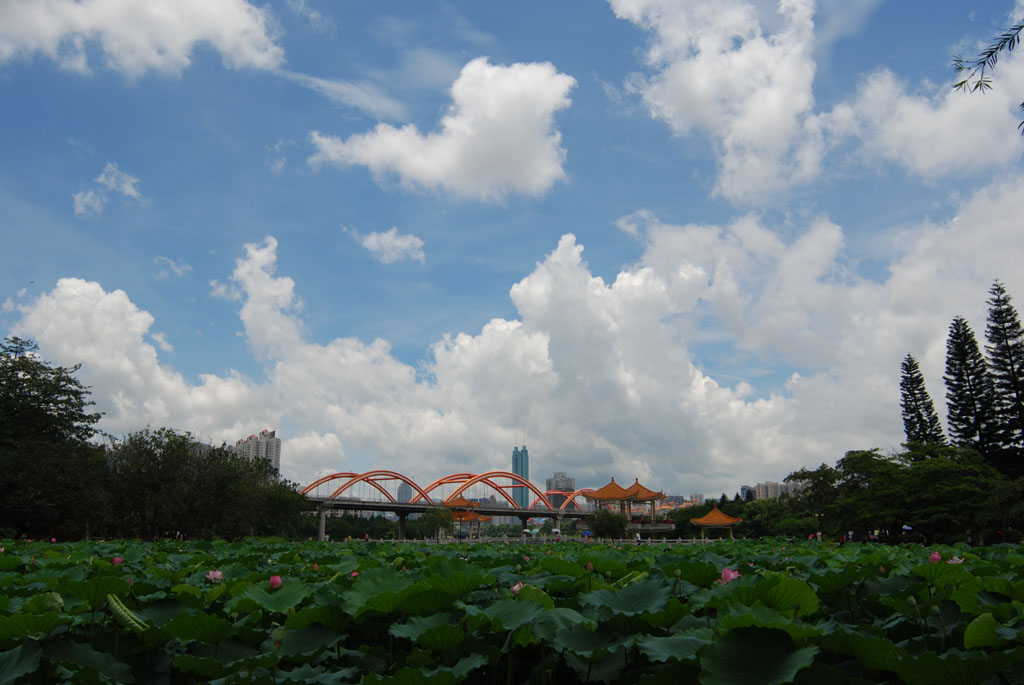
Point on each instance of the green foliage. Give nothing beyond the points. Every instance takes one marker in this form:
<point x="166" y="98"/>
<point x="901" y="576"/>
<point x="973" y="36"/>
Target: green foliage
<point x="50" y="475"/>
<point x="605" y="524"/>
<point x="1006" y="365"/>
<point x="162" y="482"/>
<point x="798" y="612"/>
<point x="970" y="394"/>
<point x="975" y="71"/>
<point x="920" y="422"/>
<point x="435" y="521"/>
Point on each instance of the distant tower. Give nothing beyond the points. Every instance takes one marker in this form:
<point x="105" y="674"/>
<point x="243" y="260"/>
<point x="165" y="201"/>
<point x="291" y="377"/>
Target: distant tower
<point x="521" y="467"/>
<point x="404" y="492"/>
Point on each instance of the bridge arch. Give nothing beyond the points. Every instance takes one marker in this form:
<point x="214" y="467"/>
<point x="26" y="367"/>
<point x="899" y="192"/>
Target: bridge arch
<point x="463" y="480"/>
<point x="326" y="479"/>
<point x="488" y="479"/>
<point x="371" y="478"/>
<point x="570" y="498"/>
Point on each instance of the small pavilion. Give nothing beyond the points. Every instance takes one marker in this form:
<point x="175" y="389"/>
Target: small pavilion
<point x="716" y="519"/>
<point x="462" y="512"/>
<point x="614" y="496"/>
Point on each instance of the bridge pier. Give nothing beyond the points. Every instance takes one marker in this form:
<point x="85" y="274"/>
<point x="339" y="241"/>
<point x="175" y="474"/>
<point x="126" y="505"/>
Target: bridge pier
<point x="321" y="532"/>
<point x="402" y="516"/>
<point x="525" y="520"/>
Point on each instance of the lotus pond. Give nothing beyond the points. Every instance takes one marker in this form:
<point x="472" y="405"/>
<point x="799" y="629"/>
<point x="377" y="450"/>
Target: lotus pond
<point x="728" y="612"/>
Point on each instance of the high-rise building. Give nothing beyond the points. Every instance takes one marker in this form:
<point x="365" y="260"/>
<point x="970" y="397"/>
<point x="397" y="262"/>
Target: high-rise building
<point x="521" y="467"/>
<point x="266" y="445"/>
<point x="404" y="492"/>
<point x="562" y="482"/>
<point x="770" y="489"/>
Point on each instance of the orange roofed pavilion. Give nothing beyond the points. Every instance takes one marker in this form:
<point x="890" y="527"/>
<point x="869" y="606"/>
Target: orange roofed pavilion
<point x="716" y="519"/>
<point x="613" y="494"/>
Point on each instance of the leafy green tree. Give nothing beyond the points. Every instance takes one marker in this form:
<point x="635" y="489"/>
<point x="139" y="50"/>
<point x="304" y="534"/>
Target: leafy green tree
<point x="820" y="495"/>
<point x="946" y="495"/>
<point x="970" y="394"/>
<point x="50" y="474"/>
<point x="606" y="524"/>
<point x="162" y="482"/>
<point x="433" y="521"/>
<point x="920" y="422"/>
<point x="871" y="493"/>
<point x="1006" y="363"/>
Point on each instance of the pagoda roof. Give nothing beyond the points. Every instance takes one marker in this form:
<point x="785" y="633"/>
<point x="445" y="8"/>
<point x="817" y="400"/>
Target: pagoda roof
<point x="716" y="518"/>
<point x="642" y="494"/>
<point x="612" y="492"/>
<point x="460" y="503"/>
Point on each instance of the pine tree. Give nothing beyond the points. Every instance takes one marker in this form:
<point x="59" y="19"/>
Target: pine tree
<point x="970" y="395"/>
<point x="920" y="422"/>
<point x="1005" y="350"/>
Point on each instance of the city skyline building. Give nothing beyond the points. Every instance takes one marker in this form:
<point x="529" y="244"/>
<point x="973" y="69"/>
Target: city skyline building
<point x="521" y="467"/>
<point x="266" y="445"/>
<point x="560" y="481"/>
<point x="404" y="492"/>
<point x="771" y="489"/>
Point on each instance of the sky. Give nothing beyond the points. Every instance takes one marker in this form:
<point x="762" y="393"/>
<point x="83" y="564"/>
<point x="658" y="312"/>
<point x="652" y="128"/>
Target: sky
<point x="685" y="241"/>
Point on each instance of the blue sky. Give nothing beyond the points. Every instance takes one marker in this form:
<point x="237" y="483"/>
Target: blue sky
<point x="683" y="241"/>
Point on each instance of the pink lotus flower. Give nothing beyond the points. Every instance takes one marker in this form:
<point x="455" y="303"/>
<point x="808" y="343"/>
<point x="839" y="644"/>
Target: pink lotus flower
<point x="728" y="575"/>
<point x="517" y="587"/>
<point x="549" y="551"/>
<point x="53" y="539"/>
<point x="215" y="576"/>
<point x="955" y="560"/>
<point x="116" y="561"/>
<point x="935" y="557"/>
<point x="316" y="566"/>
<point x="590" y="566"/>
<point x="526" y="558"/>
<point x="275" y="582"/>
<point x="355" y="574"/>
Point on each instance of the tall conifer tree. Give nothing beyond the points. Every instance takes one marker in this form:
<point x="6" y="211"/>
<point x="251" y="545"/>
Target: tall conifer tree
<point x="1005" y="350"/>
<point x="920" y="422"/>
<point x="970" y="395"/>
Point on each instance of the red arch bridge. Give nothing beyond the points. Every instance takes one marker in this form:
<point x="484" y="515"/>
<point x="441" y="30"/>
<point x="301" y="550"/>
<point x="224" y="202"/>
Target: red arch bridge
<point x="342" y="491"/>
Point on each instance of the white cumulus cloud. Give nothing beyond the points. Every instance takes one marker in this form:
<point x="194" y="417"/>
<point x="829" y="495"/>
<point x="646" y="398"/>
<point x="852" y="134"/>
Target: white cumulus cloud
<point x="497" y="137"/>
<point x="388" y="247"/>
<point x="717" y="71"/>
<point x="606" y="378"/>
<point x="157" y="35"/>
<point x="742" y="74"/>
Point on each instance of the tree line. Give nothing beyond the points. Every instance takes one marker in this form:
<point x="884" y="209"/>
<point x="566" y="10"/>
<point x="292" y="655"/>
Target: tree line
<point x="984" y="393"/>
<point x="56" y="480"/>
<point x="968" y="486"/>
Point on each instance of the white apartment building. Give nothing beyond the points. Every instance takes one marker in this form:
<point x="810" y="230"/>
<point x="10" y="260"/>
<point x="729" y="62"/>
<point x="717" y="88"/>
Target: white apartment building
<point x="266" y="445"/>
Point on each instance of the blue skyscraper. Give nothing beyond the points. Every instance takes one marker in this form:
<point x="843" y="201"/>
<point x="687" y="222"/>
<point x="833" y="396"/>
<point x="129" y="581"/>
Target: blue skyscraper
<point x="521" y="467"/>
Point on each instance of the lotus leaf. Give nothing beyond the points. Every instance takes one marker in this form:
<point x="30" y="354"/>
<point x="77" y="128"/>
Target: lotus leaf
<point x="757" y="656"/>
